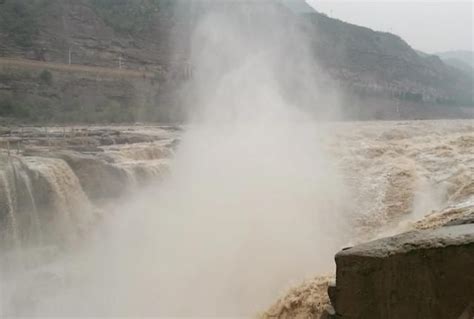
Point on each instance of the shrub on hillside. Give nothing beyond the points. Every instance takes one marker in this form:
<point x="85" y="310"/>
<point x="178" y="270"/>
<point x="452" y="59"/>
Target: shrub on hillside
<point x="46" y="77"/>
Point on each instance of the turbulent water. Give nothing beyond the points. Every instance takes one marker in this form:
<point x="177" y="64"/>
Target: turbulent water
<point x="402" y="171"/>
<point x="83" y="232"/>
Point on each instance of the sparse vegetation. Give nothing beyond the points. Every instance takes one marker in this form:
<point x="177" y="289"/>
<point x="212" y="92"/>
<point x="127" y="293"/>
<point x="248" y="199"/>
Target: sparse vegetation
<point x="19" y="20"/>
<point x="129" y="16"/>
<point x="43" y="110"/>
<point x="10" y="74"/>
<point x="25" y="109"/>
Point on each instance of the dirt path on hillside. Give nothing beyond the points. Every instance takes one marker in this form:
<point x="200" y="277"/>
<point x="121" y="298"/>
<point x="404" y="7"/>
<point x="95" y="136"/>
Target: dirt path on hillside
<point x="24" y="63"/>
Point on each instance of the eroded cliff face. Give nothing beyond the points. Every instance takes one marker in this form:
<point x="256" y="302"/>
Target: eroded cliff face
<point x="76" y="27"/>
<point x="383" y="64"/>
<point x="85" y="69"/>
<point x="375" y="75"/>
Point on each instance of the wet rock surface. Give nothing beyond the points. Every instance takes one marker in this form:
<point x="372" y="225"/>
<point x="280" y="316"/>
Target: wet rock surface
<point x="419" y="274"/>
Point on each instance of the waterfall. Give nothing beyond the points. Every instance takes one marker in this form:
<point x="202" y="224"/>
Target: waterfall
<point x="131" y="177"/>
<point x="141" y="163"/>
<point x="10" y="238"/>
<point x="41" y="203"/>
<point x="65" y="208"/>
<point x="11" y="216"/>
<point x="140" y="173"/>
<point x="36" y="224"/>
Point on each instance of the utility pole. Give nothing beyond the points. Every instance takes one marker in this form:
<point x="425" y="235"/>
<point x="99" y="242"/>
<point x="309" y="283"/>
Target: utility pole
<point x="247" y="15"/>
<point x="398" y="110"/>
<point x="120" y="62"/>
<point x="70" y="55"/>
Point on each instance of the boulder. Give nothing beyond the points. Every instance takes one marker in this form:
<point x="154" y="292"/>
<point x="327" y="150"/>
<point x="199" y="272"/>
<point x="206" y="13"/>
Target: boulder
<point x="419" y="274"/>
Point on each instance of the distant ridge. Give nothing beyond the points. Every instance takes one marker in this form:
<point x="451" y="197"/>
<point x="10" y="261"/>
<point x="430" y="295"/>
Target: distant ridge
<point x="462" y="60"/>
<point x="462" y="55"/>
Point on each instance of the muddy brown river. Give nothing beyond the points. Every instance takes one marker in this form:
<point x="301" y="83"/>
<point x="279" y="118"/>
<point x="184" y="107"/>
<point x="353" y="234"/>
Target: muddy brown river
<point x="175" y="221"/>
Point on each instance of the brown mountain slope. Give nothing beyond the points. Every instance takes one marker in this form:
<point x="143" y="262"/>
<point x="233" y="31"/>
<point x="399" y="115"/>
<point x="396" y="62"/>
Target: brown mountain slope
<point x="377" y="73"/>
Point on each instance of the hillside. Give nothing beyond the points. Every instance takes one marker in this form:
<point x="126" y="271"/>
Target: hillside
<point x="462" y="60"/>
<point x="383" y="62"/>
<point x="464" y="56"/>
<point x="377" y="73"/>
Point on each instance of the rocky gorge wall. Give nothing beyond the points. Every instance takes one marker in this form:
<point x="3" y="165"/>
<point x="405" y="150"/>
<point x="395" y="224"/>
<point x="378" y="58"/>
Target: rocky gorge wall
<point x="375" y="75"/>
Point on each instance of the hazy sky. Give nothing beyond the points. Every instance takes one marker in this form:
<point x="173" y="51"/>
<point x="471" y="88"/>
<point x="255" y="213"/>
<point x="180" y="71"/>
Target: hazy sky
<point x="429" y="26"/>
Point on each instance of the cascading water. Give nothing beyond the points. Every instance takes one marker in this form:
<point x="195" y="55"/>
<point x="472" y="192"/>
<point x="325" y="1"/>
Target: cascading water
<point x="42" y="203"/>
<point x="10" y="238"/>
<point x="141" y="163"/>
<point x="21" y="227"/>
<point x="43" y="200"/>
<point x="36" y="228"/>
<point x="65" y="206"/>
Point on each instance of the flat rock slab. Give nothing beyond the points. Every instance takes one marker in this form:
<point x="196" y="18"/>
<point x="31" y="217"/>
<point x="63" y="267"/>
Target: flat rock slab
<point x="419" y="274"/>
